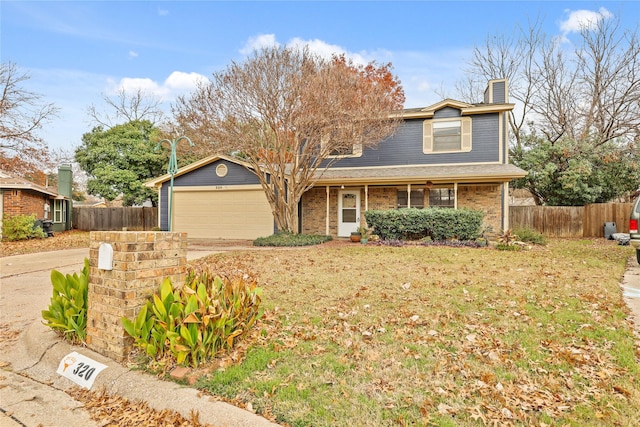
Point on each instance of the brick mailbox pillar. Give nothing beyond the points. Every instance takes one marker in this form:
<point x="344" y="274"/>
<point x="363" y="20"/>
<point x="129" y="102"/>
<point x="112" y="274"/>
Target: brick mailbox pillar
<point x="126" y="268"/>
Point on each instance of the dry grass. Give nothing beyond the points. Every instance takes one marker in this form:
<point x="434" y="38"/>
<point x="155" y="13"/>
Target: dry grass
<point x="372" y="336"/>
<point x="64" y="240"/>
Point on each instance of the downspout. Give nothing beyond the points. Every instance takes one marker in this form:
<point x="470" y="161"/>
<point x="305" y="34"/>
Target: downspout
<point x="327" y="213"/>
<point x="505" y="206"/>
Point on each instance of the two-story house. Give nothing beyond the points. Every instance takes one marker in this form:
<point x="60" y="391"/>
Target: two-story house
<point x="451" y="154"/>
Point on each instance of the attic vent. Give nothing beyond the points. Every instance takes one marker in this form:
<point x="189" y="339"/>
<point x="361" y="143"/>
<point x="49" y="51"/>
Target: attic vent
<point x="222" y="170"/>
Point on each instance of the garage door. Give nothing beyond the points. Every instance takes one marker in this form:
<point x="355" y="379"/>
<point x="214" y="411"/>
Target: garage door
<point x="227" y="214"/>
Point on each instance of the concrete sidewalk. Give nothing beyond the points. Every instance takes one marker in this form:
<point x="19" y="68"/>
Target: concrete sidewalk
<point x="33" y="394"/>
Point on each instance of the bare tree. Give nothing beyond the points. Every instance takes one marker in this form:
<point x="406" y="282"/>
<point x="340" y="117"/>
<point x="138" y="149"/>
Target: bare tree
<point x="289" y="114"/>
<point x="591" y="91"/>
<point x="576" y="126"/>
<point x="22" y="114"/>
<point x="126" y="107"/>
<point x="513" y="57"/>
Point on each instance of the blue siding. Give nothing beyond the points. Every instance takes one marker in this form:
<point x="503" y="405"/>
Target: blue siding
<point x="499" y="92"/>
<point x="206" y="175"/>
<point x="405" y="146"/>
<point x="447" y="113"/>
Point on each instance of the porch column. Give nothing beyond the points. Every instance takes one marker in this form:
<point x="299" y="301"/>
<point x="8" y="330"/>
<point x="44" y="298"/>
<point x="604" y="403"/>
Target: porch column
<point x="455" y="195"/>
<point x="408" y="195"/>
<point x="326" y="231"/>
<point x="366" y="197"/>
<point x="505" y="206"/>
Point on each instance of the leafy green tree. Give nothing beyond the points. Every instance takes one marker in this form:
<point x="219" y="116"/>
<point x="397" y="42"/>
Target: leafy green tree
<point x="119" y="160"/>
<point x="575" y="173"/>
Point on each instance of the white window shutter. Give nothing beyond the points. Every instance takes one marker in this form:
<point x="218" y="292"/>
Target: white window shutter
<point x="427" y="136"/>
<point x="466" y="134"/>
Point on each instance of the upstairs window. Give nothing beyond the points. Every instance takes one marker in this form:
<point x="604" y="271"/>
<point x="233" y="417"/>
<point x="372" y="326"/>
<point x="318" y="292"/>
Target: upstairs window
<point x="447" y="136"/>
<point x="354" y="150"/>
<point x="442" y="197"/>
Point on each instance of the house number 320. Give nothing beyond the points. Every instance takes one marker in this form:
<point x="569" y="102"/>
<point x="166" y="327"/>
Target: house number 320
<point x="80" y="369"/>
<point x="84" y="371"/>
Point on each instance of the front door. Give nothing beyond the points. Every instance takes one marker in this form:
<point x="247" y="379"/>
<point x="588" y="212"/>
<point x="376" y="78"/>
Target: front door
<point x="348" y="212"/>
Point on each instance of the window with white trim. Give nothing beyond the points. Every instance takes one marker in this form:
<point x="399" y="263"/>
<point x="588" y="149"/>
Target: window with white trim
<point x="417" y="199"/>
<point x="354" y="150"/>
<point x="59" y="211"/>
<point x="447" y="136"/>
<point x="442" y="197"/>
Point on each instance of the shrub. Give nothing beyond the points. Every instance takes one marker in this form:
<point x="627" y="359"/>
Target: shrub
<point x="67" y="313"/>
<point x="530" y="235"/>
<point x="21" y="227"/>
<point x="196" y="321"/>
<point x="508" y="241"/>
<point x="436" y="223"/>
<point x="290" y="239"/>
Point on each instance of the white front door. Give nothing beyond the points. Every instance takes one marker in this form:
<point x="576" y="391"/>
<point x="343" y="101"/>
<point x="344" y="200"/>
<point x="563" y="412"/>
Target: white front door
<point x="348" y="212"/>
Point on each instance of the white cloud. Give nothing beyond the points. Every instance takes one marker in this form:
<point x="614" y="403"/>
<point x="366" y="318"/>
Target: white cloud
<point x="178" y="83"/>
<point x="133" y="54"/>
<point x="259" y="42"/>
<point x="163" y="12"/>
<point x="583" y="19"/>
<point x="183" y="82"/>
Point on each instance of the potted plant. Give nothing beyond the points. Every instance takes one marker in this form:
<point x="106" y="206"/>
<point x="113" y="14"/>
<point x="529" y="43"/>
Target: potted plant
<point x="356" y="236"/>
<point x="364" y="234"/>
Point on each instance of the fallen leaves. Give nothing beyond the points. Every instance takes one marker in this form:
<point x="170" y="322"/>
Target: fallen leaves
<point x="115" y="411"/>
<point x="63" y="240"/>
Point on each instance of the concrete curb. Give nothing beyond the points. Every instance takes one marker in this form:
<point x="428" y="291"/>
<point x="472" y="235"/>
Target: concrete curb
<point x="40" y="351"/>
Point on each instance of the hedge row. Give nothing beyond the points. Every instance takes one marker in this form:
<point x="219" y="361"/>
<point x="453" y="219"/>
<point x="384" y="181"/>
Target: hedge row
<point x="415" y="224"/>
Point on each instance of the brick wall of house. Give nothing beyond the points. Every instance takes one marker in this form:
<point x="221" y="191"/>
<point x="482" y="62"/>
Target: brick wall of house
<point x="487" y="198"/>
<point x="141" y="261"/>
<point x="314" y="211"/>
<point x="314" y="207"/>
<point x="23" y="202"/>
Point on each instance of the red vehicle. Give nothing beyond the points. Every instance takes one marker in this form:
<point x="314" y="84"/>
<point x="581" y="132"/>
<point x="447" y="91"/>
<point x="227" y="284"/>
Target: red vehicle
<point x="634" y="233"/>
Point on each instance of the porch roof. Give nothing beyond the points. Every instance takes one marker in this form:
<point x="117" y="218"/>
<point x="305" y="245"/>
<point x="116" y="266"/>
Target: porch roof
<point x="439" y="174"/>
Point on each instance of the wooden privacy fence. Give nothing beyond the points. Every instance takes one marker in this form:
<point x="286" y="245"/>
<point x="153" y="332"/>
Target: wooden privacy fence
<point x="115" y="219"/>
<point x="571" y="221"/>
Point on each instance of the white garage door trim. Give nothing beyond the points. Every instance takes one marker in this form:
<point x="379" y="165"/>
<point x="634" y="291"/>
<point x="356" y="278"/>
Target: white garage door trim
<point x="222" y="212"/>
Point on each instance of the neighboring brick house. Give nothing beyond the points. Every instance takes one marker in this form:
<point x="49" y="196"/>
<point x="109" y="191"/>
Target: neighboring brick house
<point x="19" y="196"/>
<point x="452" y="154"/>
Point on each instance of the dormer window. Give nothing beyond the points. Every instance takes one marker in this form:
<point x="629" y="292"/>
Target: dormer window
<point x="447" y="136"/>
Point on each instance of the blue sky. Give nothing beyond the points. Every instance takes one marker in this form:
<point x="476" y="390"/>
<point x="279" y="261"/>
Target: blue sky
<point x="77" y="51"/>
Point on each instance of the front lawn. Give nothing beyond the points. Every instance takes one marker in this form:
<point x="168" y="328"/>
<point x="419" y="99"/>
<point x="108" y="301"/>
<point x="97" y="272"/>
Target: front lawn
<point x="371" y="336"/>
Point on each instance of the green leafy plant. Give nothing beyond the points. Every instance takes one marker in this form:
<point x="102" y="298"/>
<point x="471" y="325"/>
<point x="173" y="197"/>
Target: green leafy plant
<point x="290" y="239"/>
<point x="21" y="227"/>
<point x="530" y="235"/>
<point x="416" y="224"/>
<point x="67" y="313"/>
<point x="196" y="321"/>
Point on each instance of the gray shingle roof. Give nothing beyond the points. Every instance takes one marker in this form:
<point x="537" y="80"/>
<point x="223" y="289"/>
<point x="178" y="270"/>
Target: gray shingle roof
<point x="440" y="173"/>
